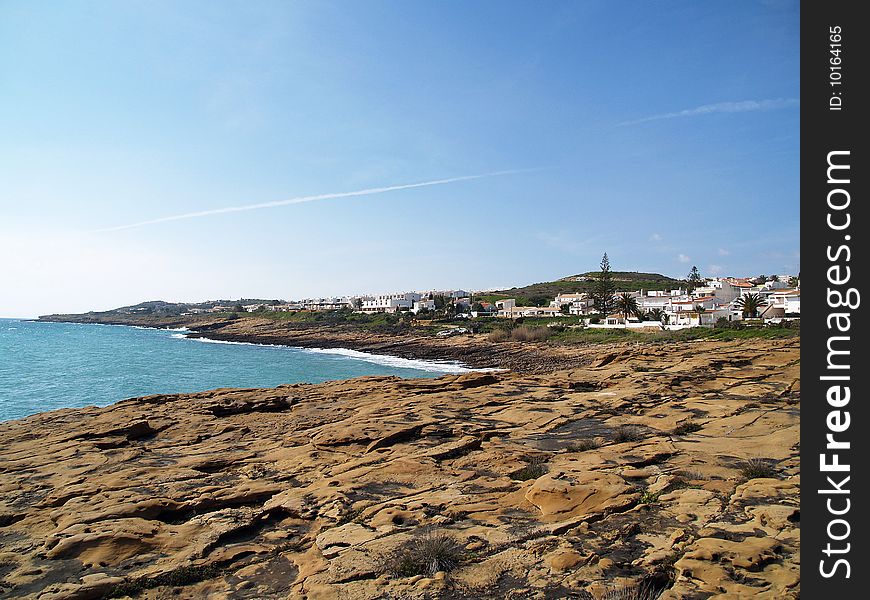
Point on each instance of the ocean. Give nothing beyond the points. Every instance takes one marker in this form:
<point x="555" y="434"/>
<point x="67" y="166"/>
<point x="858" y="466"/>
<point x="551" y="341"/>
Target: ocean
<point x="46" y="366"/>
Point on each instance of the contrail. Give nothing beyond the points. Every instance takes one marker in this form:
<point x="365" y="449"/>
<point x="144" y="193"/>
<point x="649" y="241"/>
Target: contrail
<point x="721" y="107"/>
<point x="302" y="199"/>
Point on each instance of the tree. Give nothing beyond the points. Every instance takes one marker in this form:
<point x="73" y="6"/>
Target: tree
<point x="565" y="309"/>
<point x="693" y="279"/>
<point x="774" y="277"/>
<point x="238" y="308"/>
<point x="749" y="303"/>
<point x="627" y="305"/>
<point x="761" y="279"/>
<point x="604" y="291"/>
<point x="794" y="282"/>
<point x="357" y="303"/>
<point x="441" y="302"/>
<point x="700" y="310"/>
<point x="656" y="314"/>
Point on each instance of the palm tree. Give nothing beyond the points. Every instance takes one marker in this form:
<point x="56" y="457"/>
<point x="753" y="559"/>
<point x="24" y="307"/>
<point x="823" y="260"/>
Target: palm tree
<point x="749" y="303"/>
<point x="656" y="314"/>
<point x="700" y="310"/>
<point x="627" y="305"/>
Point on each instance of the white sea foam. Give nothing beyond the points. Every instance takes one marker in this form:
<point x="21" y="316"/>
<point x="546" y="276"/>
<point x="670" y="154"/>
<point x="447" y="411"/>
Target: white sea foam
<point x="432" y="366"/>
<point x="176" y="329"/>
<point x="208" y="341"/>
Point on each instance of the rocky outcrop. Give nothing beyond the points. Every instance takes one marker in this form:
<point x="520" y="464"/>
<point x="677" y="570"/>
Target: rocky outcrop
<point x="628" y="471"/>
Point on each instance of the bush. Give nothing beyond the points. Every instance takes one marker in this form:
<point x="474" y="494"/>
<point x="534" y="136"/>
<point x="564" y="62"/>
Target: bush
<point x="628" y="433"/>
<point x="758" y="468"/>
<point x="723" y="323"/>
<point x="534" y="469"/>
<point x="520" y="334"/>
<point x="584" y="445"/>
<point x="424" y="555"/>
<point x="687" y="427"/>
<point x="499" y="335"/>
<point x="530" y="334"/>
<point x="633" y="592"/>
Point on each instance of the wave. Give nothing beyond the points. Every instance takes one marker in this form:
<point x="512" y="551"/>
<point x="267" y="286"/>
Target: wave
<point x="176" y="329"/>
<point x="182" y="336"/>
<point x="432" y="366"/>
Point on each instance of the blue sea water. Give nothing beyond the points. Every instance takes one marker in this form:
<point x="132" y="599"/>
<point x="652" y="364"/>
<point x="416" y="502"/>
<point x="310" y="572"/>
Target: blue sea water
<point x="45" y="366"/>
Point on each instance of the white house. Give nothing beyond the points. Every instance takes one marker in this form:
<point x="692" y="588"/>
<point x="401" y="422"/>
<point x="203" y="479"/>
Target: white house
<point x="788" y="300"/>
<point x="390" y="303"/>
<point x="423" y="304"/>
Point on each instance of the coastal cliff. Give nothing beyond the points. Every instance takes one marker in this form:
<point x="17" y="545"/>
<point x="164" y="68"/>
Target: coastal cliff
<point x="667" y="468"/>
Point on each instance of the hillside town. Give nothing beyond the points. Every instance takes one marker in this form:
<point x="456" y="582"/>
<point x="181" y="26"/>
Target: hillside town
<point x="706" y="302"/>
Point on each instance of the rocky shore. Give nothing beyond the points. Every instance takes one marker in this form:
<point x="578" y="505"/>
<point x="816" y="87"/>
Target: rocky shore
<point x="671" y="469"/>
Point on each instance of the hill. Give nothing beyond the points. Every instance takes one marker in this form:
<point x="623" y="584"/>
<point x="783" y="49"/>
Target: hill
<point x="538" y="294"/>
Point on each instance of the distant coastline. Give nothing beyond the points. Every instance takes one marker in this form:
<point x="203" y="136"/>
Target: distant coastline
<point x="471" y="351"/>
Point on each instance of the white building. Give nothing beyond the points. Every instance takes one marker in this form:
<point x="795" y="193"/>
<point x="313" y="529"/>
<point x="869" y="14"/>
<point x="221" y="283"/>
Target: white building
<point x="423" y="304"/>
<point x="390" y="303"/>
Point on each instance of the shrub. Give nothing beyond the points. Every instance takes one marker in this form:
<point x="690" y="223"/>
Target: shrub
<point x="520" y="334"/>
<point x="687" y="427"/>
<point x="628" y="433"/>
<point x="648" y="497"/>
<point x="530" y="334"/>
<point x="758" y="468"/>
<point x="633" y="592"/>
<point x="534" y="469"/>
<point x="584" y="445"/>
<point x="424" y="555"/>
<point x="499" y="335"/>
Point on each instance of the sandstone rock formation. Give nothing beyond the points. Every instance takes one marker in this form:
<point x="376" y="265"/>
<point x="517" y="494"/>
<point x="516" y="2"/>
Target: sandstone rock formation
<point x="561" y="485"/>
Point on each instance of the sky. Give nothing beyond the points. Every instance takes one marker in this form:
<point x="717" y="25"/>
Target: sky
<point x="665" y="133"/>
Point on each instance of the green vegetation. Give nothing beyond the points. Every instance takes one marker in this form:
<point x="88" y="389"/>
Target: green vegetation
<point x="599" y="336"/>
<point x="540" y="294"/>
<point x="749" y="303"/>
<point x="583" y="445"/>
<point x="628" y="433"/>
<point x="424" y="555"/>
<point x="603" y="294"/>
<point x="535" y="468"/>
<point x="628" y="306"/>
<point x="181" y="576"/>
<point x="686" y="428"/>
<point x="693" y="279"/>
<point x="648" y="497"/>
<point x="523" y="333"/>
<point x="758" y="468"/>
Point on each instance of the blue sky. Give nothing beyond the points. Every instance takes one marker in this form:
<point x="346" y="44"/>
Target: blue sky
<point x="665" y="133"/>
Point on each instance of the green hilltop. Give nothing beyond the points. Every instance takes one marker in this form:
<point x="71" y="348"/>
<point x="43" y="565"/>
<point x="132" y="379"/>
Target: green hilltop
<point x="539" y="294"/>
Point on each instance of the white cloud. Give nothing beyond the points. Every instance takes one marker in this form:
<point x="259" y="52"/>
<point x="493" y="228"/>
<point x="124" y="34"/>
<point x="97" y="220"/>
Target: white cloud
<point x="715" y="269"/>
<point x="724" y="252"/>
<point x="656" y="237"/>
<point x="683" y="258"/>
<point x="721" y="107"/>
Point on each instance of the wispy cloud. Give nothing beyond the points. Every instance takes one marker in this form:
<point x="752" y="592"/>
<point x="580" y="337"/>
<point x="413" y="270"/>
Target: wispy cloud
<point x="656" y="237"/>
<point x="313" y="198"/>
<point x="683" y="258"/>
<point x="721" y="107"/>
<point x="724" y="252"/>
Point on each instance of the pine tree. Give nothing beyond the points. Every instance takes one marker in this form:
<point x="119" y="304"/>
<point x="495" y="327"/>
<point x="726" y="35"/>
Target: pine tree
<point x="604" y="293"/>
<point x="694" y="279"/>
